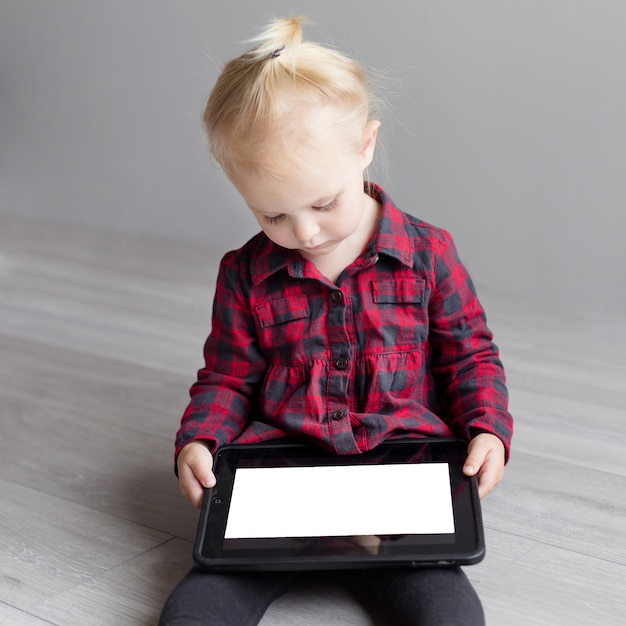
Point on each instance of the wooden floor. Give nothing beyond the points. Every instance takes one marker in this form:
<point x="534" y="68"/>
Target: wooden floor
<point x="100" y="337"/>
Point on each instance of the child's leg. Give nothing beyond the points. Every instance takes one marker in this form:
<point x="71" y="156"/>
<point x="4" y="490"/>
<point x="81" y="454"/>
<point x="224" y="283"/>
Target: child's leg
<point x="237" y="599"/>
<point x="428" y="597"/>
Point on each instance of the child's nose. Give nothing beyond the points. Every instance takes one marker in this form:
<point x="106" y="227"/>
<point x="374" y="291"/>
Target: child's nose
<point x="305" y="230"/>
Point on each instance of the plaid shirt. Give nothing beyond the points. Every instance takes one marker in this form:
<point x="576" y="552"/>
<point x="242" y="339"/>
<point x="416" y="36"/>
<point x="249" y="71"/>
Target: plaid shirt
<point x="398" y="347"/>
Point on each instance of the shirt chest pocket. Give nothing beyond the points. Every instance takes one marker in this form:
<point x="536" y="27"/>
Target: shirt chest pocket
<point x="281" y="311"/>
<point x="401" y="313"/>
<point x="282" y="325"/>
<point x="397" y="292"/>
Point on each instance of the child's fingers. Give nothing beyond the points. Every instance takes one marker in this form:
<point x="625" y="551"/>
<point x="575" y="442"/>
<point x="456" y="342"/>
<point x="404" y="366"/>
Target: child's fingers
<point x="486" y="458"/>
<point x="190" y="486"/>
<point x="488" y="478"/>
<point x="475" y="457"/>
<point x="201" y="468"/>
<point x="195" y="471"/>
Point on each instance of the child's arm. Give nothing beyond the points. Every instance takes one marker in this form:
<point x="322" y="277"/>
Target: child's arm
<point x="485" y="458"/>
<point x="468" y="370"/>
<point x="226" y="389"/>
<point x="195" y="464"/>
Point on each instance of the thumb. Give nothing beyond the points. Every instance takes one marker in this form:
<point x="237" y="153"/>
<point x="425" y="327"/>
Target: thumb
<point x="197" y="458"/>
<point x="203" y="473"/>
<point x="474" y="461"/>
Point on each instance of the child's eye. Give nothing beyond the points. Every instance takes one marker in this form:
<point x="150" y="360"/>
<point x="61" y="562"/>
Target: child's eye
<point x="327" y="207"/>
<point x="273" y="219"/>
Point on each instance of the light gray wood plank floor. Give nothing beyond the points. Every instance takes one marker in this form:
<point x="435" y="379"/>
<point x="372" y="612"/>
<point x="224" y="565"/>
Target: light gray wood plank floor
<point x="100" y="338"/>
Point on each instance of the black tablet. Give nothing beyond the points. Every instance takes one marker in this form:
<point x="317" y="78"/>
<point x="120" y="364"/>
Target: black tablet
<point x="296" y="506"/>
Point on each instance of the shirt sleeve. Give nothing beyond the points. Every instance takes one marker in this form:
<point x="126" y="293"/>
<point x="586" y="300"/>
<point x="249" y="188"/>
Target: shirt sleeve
<point x="226" y="387"/>
<point x="465" y="362"/>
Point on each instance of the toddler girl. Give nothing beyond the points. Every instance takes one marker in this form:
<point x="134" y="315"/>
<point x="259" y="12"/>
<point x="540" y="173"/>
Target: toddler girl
<point x="345" y="322"/>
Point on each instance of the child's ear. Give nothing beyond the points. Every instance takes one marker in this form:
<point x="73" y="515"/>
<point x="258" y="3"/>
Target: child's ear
<point x="368" y="143"/>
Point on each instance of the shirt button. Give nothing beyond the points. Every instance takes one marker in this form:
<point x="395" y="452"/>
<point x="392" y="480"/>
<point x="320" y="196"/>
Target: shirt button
<point x="338" y="414"/>
<point x="336" y="296"/>
<point x="341" y="363"/>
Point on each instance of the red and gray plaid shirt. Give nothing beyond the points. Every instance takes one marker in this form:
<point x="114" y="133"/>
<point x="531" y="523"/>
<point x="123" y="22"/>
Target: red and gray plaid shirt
<point x="398" y="347"/>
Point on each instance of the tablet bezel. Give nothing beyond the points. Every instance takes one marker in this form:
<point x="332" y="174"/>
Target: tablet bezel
<point x="466" y="546"/>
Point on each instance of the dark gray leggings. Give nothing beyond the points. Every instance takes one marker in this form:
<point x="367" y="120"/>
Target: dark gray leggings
<point x="406" y="597"/>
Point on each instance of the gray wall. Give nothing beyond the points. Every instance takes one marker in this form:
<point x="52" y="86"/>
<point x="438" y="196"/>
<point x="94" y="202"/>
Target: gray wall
<point x="507" y="124"/>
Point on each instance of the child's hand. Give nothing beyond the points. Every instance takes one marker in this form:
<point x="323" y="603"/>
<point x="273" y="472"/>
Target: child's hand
<point x="485" y="457"/>
<point x="195" y="465"/>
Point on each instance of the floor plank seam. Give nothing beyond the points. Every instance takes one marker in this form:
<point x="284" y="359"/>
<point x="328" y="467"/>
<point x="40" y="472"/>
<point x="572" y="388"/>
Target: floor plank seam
<point x="128" y="520"/>
<point x="573" y="464"/>
<point x="88" y="353"/>
<point x="565" y="548"/>
<point x="506" y="566"/>
<point x="138" y="555"/>
<point x="23" y="612"/>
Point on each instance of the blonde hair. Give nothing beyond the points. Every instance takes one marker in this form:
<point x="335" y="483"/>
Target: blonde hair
<point x="265" y="93"/>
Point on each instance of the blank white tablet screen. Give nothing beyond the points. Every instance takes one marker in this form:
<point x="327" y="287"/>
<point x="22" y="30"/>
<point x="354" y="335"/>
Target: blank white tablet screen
<point x="341" y="501"/>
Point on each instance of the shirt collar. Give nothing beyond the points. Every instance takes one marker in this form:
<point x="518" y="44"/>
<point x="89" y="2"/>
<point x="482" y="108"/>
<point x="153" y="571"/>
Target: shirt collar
<point x="390" y="238"/>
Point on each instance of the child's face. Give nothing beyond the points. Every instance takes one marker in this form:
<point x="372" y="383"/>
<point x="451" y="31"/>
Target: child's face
<point x="320" y="206"/>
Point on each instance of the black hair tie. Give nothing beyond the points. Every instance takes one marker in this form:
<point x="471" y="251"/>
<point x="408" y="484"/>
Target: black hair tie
<point x="276" y="53"/>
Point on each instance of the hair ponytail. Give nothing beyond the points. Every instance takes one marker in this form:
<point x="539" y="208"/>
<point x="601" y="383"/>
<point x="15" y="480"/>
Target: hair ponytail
<point x="281" y="36"/>
<point x="255" y="92"/>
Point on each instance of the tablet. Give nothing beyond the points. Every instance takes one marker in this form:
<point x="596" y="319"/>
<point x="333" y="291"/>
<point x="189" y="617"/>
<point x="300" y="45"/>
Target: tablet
<point x="286" y="506"/>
